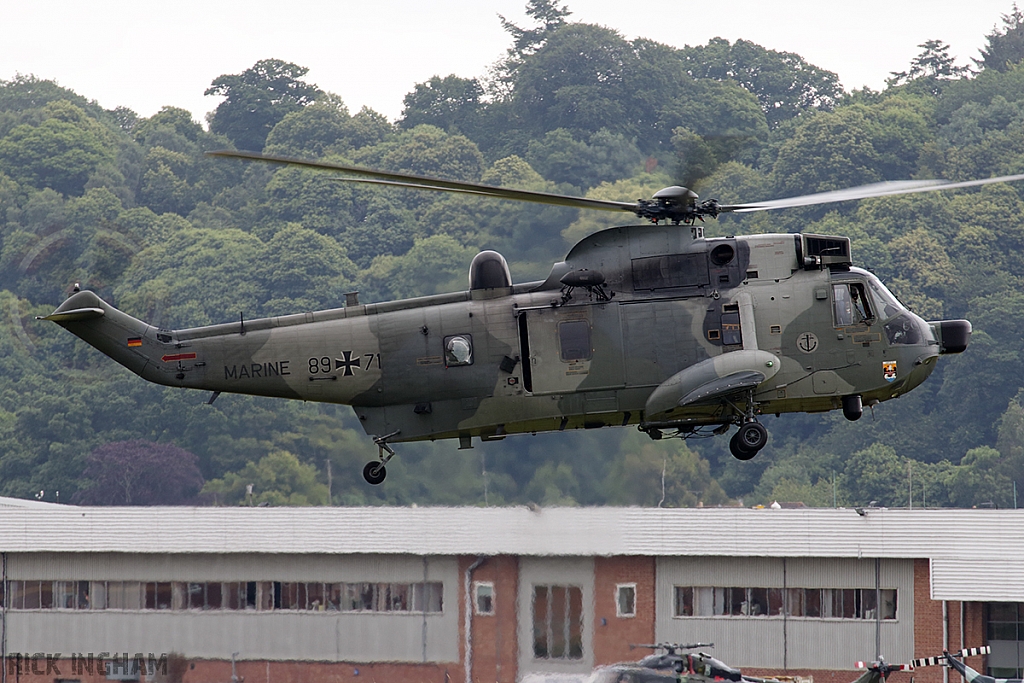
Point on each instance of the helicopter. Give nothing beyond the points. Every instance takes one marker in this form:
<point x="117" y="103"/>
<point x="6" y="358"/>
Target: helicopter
<point x="954" y="660"/>
<point x="879" y="672"/>
<point x="672" y="663"/>
<point x="653" y="325"/>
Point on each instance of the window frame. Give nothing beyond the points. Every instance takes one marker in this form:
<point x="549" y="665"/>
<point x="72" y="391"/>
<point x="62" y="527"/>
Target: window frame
<point x="477" y="585"/>
<point x="619" y="588"/>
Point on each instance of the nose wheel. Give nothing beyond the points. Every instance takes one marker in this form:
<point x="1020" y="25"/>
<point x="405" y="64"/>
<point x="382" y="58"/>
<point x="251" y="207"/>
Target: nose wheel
<point x="750" y="438"/>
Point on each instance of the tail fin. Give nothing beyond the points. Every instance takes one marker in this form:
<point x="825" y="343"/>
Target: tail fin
<point x="129" y="341"/>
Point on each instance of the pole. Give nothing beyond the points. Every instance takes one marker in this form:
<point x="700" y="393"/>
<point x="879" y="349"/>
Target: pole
<point x="878" y="609"/>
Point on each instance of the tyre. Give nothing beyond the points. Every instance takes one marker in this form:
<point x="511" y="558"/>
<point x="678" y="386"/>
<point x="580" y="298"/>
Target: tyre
<point x="738" y="450"/>
<point x="753" y="436"/>
<point x="374" y="472"/>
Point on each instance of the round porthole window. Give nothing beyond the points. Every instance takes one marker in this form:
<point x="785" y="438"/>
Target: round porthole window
<point x="458" y="350"/>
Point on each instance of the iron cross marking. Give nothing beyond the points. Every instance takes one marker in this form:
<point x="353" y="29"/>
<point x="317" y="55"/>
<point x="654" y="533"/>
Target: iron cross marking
<point x="347" y="363"/>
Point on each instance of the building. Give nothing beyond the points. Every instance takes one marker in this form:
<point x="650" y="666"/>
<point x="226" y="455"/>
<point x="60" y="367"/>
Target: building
<point x="496" y="594"/>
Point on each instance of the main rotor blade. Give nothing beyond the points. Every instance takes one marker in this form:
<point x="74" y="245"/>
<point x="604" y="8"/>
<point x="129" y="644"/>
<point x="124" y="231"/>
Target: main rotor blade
<point x="885" y="189"/>
<point x="440" y="184"/>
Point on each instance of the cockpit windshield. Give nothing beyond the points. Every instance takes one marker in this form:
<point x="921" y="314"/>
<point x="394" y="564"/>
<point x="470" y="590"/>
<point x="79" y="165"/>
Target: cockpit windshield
<point x="887" y="304"/>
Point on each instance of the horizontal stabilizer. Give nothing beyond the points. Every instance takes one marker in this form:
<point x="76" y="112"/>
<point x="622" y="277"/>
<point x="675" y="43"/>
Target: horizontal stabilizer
<point x="72" y="315"/>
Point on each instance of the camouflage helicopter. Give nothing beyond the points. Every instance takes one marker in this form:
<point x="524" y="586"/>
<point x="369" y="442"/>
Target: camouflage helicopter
<point x="653" y="325"/>
<point x="671" y="662"/>
<point x="954" y="660"/>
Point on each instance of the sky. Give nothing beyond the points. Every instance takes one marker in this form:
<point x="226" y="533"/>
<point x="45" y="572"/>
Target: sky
<point x="145" y="54"/>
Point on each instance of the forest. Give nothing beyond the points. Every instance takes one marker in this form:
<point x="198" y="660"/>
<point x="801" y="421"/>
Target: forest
<point x="130" y="207"/>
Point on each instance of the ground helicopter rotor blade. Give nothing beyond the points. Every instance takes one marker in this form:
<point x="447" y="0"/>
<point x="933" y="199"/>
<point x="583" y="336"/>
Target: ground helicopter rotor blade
<point x="438" y="184"/>
<point x="884" y="189"/>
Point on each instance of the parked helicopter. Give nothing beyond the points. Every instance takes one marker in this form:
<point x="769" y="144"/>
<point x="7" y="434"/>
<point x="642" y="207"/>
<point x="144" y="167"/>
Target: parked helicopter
<point x="651" y="325"/>
<point x="673" y="663"/>
<point x="955" y="661"/>
<point x="878" y="672"/>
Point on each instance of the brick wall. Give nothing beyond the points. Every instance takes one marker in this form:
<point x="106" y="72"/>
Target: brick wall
<point x="203" y="671"/>
<point x="928" y="627"/>
<point x="495" y="646"/>
<point x="612" y="634"/>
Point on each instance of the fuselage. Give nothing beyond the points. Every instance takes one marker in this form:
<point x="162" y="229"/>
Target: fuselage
<point x="502" y="360"/>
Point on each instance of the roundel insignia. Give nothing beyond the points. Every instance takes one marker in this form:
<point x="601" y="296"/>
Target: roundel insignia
<point x="807" y="342"/>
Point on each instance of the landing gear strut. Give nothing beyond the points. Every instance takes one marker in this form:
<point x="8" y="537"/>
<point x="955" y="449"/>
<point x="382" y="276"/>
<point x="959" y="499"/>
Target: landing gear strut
<point x="374" y="471"/>
<point x="751" y="437"/>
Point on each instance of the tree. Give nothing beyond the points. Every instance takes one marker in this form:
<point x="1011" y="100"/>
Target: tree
<point x="526" y="41"/>
<point x="60" y="152"/>
<point x="279" y="478"/>
<point x="140" y="472"/>
<point x="450" y="103"/>
<point x="311" y="130"/>
<point x="933" y="65"/>
<point x="784" y="83"/>
<point x="257" y="99"/>
<point x="1005" y="46"/>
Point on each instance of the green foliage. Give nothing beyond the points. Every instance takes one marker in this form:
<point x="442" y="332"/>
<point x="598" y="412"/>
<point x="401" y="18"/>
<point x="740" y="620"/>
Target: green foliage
<point x="131" y="207"/>
<point x="1006" y="45"/>
<point x="784" y="83"/>
<point x="257" y="99"/>
<point x="450" y="103"/>
<point x="277" y="479"/>
<point x="60" y="151"/>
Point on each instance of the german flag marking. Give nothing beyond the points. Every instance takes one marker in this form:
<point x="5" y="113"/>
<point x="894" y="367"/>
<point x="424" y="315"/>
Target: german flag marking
<point x="134" y="341"/>
<point x="177" y="356"/>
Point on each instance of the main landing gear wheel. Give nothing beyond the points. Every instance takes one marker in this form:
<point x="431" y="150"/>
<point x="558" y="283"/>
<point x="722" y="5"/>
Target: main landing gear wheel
<point x="750" y="438"/>
<point x="374" y="472"/>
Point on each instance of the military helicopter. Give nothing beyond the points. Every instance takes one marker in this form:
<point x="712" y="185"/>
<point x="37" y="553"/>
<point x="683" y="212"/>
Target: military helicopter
<point x="673" y="663"/>
<point x="954" y="660"/>
<point x="653" y="325"/>
<point x="878" y="672"/>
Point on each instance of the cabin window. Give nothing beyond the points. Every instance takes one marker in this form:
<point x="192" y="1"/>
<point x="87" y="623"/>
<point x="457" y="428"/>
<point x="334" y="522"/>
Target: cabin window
<point x="731" y="333"/>
<point x="850" y="304"/>
<point x="574" y="339"/>
<point x="458" y="350"/>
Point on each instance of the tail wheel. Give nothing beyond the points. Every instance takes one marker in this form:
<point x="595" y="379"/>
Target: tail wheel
<point x="374" y="472"/>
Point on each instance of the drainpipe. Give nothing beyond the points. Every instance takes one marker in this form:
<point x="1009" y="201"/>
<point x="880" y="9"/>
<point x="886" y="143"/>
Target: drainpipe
<point x="945" y="638"/>
<point x="467" y="588"/>
<point x="3" y="629"/>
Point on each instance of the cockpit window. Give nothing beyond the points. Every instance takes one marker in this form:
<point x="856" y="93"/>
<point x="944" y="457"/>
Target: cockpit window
<point x="851" y="305"/>
<point x="888" y="304"/>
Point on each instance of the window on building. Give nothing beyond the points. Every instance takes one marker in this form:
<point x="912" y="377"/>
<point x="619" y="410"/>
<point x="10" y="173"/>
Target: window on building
<point x="625" y="600"/>
<point x="1005" y="621"/>
<point x="483" y="592"/>
<point x="557" y="622"/>
<point x="815" y="603"/>
<point x="226" y="595"/>
<point x="683" y="601"/>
